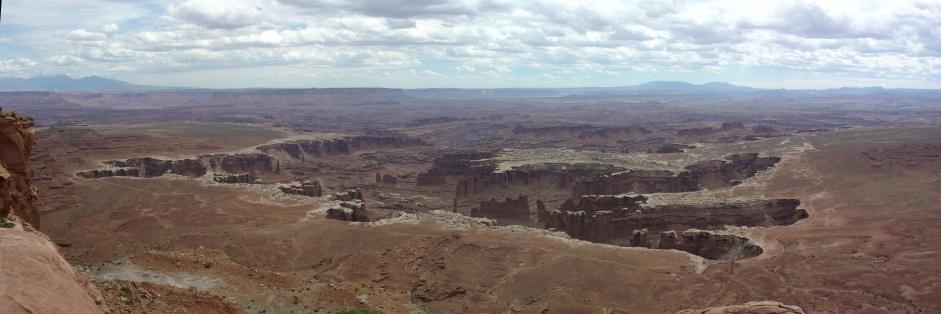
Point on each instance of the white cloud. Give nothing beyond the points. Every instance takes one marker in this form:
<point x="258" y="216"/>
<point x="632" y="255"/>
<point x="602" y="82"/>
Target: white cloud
<point x="500" y="38"/>
<point x="110" y="28"/>
<point x="216" y="13"/>
<point x="84" y="35"/>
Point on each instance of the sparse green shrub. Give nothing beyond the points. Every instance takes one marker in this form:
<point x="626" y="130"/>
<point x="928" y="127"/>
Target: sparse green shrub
<point x="4" y="223"/>
<point x="357" y="311"/>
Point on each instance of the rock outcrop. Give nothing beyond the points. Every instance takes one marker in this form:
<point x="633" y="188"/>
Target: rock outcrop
<point x="17" y="195"/>
<point x="305" y="188"/>
<point x="34" y="278"/>
<point x="517" y="208"/>
<point x="561" y="176"/>
<point x="706" y="244"/>
<point x="759" y="307"/>
<point x="624" y="220"/>
<point x="709" y="174"/>
<point x="301" y="150"/>
<point x="149" y="167"/>
<point x="245" y="178"/>
<point x="455" y="165"/>
<point x="352" y="207"/>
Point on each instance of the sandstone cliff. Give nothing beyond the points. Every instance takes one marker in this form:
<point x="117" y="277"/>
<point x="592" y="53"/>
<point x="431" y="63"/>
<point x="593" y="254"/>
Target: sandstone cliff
<point x="301" y="150"/>
<point x="34" y="278"/>
<point x="17" y="194"/>
<point x="235" y="164"/>
<point x="709" y="174"/>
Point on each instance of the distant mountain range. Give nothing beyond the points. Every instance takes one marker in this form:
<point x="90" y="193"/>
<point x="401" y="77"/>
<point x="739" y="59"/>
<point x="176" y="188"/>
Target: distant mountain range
<point x="66" y="83"/>
<point x="101" y="84"/>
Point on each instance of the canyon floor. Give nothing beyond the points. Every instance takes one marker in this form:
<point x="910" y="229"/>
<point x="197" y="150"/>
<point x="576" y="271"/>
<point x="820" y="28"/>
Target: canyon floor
<point x="530" y="205"/>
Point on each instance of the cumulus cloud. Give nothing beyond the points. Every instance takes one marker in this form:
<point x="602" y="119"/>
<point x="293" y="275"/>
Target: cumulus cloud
<point x="84" y="35"/>
<point x="216" y="13"/>
<point x="512" y="40"/>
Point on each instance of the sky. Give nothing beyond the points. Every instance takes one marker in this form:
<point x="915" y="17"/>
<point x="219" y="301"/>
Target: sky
<point x="475" y="43"/>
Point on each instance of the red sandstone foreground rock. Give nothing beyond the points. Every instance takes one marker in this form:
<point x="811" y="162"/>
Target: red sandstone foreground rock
<point x="760" y="307"/>
<point x="34" y="278"/>
<point x="17" y="194"/>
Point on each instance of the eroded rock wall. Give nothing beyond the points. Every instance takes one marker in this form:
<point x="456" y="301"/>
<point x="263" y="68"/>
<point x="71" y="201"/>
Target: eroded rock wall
<point x="148" y="167"/>
<point x="709" y="174"/>
<point x="514" y="208"/>
<point x="618" y="219"/>
<point x="17" y="195"/>
<point x="34" y="277"/>
<point x="301" y="150"/>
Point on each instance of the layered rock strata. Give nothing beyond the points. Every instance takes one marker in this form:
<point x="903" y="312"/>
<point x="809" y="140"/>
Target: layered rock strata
<point x="305" y="188"/>
<point x="17" y="195"/>
<point x="148" y="167"/>
<point x="301" y="150"/>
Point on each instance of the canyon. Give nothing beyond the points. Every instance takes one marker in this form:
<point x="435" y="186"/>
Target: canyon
<point x="308" y="201"/>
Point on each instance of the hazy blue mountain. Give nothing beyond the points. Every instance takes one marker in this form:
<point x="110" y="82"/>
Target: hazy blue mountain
<point x="66" y="83"/>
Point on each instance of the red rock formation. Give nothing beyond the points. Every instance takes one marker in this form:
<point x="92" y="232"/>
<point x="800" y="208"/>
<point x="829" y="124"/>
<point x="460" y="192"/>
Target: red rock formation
<point x="245" y="178"/>
<point x="709" y="174"/>
<point x="636" y="181"/>
<point x="354" y="211"/>
<point x="562" y="176"/>
<point x="617" y="219"/>
<point x="305" y="188"/>
<point x="17" y="194"/>
<point x="34" y="278"/>
<point x="300" y="150"/>
<point x="454" y="165"/>
<point x="509" y="208"/>
<point x="352" y="207"/>
<point x="760" y="307"/>
<point x="348" y="195"/>
<point x="192" y="167"/>
<point x="113" y="172"/>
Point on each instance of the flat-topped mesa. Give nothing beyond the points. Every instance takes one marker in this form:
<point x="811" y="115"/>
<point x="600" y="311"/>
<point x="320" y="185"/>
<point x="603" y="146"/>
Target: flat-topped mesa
<point x="17" y="195"/>
<point x="110" y="172"/>
<point x="455" y="165"/>
<point x="709" y="174"/>
<point x="352" y="207"/>
<point x="559" y="176"/>
<point x="509" y="208"/>
<point x="148" y="167"/>
<point x="301" y="150"/>
<point x="354" y="210"/>
<point x="705" y="244"/>
<point x="593" y="203"/>
<point x="245" y="178"/>
<point x="712" y="174"/>
<point x="614" y="219"/>
<point x="305" y="188"/>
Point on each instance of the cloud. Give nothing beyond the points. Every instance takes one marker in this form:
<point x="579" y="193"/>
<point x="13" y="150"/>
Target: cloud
<point x="216" y="13"/>
<point x="110" y="28"/>
<point x="511" y="40"/>
<point x="84" y="35"/>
